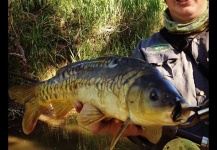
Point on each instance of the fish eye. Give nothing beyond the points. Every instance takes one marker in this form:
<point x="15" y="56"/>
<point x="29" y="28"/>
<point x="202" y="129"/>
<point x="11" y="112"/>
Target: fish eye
<point x="154" y="95"/>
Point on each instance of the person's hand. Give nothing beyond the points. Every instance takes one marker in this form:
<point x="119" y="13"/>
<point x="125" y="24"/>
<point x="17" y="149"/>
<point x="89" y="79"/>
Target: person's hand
<point x="112" y="126"/>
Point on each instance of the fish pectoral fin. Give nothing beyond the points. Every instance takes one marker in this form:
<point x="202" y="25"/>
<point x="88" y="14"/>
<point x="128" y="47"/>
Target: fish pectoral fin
<point x="61" y="108"/>
<point x="118" y="134"/>
<point x="153" y="133"/>
<point x="89" y="114"/>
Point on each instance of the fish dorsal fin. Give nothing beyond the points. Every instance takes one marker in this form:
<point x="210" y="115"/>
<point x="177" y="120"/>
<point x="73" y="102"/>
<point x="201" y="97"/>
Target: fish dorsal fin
<point x="153" y="133"/>
<point x="61" y="70"/>
<point x="118" y="134"/>
<point x="61" y="108"/>
<point x="32" y="112"/>
<point x="89" y="114"/>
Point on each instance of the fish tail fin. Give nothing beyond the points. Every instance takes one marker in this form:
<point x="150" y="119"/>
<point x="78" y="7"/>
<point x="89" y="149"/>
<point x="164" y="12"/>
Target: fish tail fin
<point x="25" y="94"/>
<point x="32" y="112"/>
<point x="22" y="93"/>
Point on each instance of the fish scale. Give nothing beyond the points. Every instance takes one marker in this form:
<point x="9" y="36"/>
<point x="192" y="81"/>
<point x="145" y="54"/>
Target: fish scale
<point x="124" y="88"/>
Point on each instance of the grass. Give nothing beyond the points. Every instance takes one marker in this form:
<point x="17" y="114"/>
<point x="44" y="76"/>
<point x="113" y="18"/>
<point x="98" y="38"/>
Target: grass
<point x="45" y="35"/>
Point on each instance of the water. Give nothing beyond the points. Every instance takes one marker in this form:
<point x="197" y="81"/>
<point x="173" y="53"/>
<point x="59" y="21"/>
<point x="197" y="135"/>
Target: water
<point x="57" y="135"/>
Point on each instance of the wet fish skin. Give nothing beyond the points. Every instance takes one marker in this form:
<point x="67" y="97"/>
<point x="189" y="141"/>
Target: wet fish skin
<point x="114" y="86"/>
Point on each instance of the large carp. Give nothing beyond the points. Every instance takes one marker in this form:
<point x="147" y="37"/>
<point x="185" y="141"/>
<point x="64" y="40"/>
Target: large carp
<point x="125" y="88"/>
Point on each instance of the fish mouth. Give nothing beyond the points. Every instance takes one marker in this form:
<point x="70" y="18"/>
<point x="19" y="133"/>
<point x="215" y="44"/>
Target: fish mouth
<point x="176" y="113"/>
<point x="180" y="112"/>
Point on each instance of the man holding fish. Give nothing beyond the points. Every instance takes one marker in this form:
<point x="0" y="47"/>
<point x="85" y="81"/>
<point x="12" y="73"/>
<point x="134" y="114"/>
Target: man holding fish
<point x="180" y="52"/>
<point x="130" y="97"/>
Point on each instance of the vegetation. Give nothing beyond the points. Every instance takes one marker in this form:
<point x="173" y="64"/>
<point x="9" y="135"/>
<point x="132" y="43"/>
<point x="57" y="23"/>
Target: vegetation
<point x="45" y="35"/>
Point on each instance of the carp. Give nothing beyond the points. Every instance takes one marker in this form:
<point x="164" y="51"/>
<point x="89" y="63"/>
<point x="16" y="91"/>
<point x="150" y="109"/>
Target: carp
<point x="125" y="88"/>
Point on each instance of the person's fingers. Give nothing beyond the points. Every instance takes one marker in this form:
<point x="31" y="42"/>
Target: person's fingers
<point x="111" y="126"/>
<point x="133" y="130"/>
<point x="105" y="126"/>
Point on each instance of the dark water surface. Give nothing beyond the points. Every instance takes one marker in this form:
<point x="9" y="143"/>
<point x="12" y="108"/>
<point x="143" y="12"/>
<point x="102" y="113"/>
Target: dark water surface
<point x="67" y="135"/>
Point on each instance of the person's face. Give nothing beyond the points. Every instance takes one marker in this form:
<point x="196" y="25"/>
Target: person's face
<point x="184" y="11"/>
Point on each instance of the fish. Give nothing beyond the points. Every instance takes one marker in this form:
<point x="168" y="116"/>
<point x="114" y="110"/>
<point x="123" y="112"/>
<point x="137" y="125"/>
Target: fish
<point x="121" y="87"/>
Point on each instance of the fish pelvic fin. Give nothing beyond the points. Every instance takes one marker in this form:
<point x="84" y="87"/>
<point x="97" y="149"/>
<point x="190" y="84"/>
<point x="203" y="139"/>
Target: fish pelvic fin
<point x="118" y="134"/>
<point x="61" y="108"/>
<point x="153" y="133"/>
<point x="89" y="114"/>
<point x="22" y="93"/>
